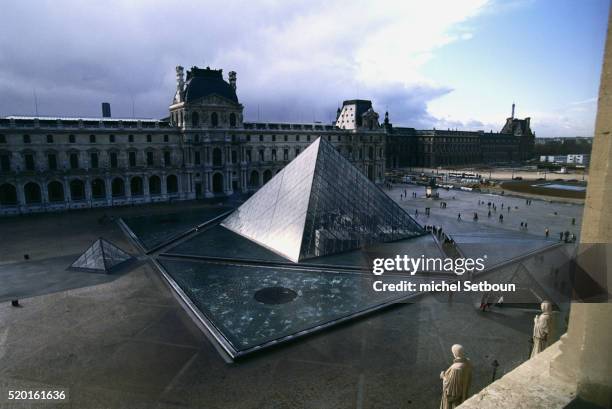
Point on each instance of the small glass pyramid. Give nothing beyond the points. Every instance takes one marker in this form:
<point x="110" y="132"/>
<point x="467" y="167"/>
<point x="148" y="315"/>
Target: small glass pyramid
<point x="101" y="257"/>
<point x="320" y="204"/>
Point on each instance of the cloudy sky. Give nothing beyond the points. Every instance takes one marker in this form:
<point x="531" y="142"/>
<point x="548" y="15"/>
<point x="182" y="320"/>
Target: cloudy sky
<point x="455" y="63"/>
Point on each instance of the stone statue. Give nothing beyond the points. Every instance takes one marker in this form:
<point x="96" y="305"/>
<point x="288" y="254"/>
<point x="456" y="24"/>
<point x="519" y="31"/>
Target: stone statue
<point x="456" y="380"/>
<point x="542" y="329"/>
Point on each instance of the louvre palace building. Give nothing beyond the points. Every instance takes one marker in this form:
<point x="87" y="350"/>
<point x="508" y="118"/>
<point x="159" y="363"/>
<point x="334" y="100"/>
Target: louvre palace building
<point x="205" y="149"/>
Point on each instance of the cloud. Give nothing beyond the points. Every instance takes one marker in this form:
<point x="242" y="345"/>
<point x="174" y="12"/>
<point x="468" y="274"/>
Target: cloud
<point x="295" y="60"/>
<point x="574" y="119"/>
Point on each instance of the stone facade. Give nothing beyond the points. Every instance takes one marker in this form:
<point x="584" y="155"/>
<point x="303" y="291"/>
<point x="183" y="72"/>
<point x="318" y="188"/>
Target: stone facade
<point x="202" y="150"/>
<point x="51" y="164"/>
<point x="407" y="147"/>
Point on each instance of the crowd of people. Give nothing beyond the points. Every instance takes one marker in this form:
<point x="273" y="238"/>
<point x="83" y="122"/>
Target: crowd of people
<point x="493" y="208"/>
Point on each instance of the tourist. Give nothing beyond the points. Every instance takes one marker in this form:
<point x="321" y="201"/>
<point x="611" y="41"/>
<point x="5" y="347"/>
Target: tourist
<point x="573" y="221"/>
<point x="459" y="217"/>
<point x="521" y="225"/>
<point x="501" y="218"/>
<point x="475" y="216"/>
<point x="484" y="302"/>
<point x="489" y="214"/>
<point x="561" y="236"/>
<point x="525" y="225"/>
<point x="566" y="235"/>
<point x="546" y="232"/>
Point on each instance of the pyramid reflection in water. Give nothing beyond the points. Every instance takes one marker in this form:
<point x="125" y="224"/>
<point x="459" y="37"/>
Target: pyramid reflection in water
<point x="101" y="257"/>
<point x="320" y="204"/>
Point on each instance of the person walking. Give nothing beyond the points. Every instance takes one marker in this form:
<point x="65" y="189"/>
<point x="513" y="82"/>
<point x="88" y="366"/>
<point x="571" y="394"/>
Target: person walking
<point x="546" y="232"/>
<point x="459" y="217"/>
<point x="484" y="302"/>
<point x="501" y="218"/>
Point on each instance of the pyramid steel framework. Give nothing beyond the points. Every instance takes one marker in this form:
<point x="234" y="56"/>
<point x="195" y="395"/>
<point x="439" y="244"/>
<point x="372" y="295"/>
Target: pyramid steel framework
<point x="101" y="257"/>
<point x="320" y="204"/>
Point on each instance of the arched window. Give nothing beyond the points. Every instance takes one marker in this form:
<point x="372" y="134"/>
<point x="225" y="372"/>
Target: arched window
<point x="8" y="195"/>
<point x="118" y="187"/>
<point x="267" y="176"/>
<point x="218" y="183"/>
<point x="32" y="193"/>
<point x="56" y="191"/>
<point x="214" y="119"/>
<point x="254" y="179"/>
<point x="195" y="120"/>
<point x="232" y="119"/>
<point x="217" y="157"/>
<point x="98" y="189"/>
<point x="154" y="185"/>
<point x="172" y="184"/>
<point x="136" y="186"/>
<point x="77" y="189"/>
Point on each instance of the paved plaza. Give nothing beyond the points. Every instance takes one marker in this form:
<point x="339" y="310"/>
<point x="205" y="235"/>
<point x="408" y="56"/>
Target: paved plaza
<point x="123" y="341"/>
<point x="540" y="214"/>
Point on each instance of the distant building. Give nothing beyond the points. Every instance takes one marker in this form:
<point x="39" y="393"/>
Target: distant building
<point x="572" y="159"/>
<point x="429" y="148"/>
<point x="565" y="140"/>
<point x="205" y="149"/>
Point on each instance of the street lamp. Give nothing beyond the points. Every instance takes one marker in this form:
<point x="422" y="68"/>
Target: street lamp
<point x="495" y="364"/>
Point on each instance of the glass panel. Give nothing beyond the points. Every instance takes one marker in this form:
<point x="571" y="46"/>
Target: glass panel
<point x="225" y="294"/>
<point x="157" y="229"/>
<point x="320" y="204"/>
<point x="101" y="256"/>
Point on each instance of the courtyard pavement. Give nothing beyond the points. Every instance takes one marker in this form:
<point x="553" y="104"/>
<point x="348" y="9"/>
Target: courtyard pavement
<point x="127" y="343"/>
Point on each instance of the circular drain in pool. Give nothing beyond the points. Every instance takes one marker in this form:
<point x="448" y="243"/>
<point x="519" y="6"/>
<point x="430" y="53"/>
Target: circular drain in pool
<point x="275" y="295"/>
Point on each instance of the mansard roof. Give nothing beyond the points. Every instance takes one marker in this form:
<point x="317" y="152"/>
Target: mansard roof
<point x="202" y="82"/>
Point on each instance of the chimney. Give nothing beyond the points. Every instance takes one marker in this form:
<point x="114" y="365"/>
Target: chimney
<point x="512" y="116"/>
<point x="232" y="79"/>
<point x="106" y="112"/>
<point x="180" y="78"/>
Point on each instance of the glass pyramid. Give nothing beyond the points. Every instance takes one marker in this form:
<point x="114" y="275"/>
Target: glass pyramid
<point x="102" y="256"/>
<point x="320" y="204"/>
